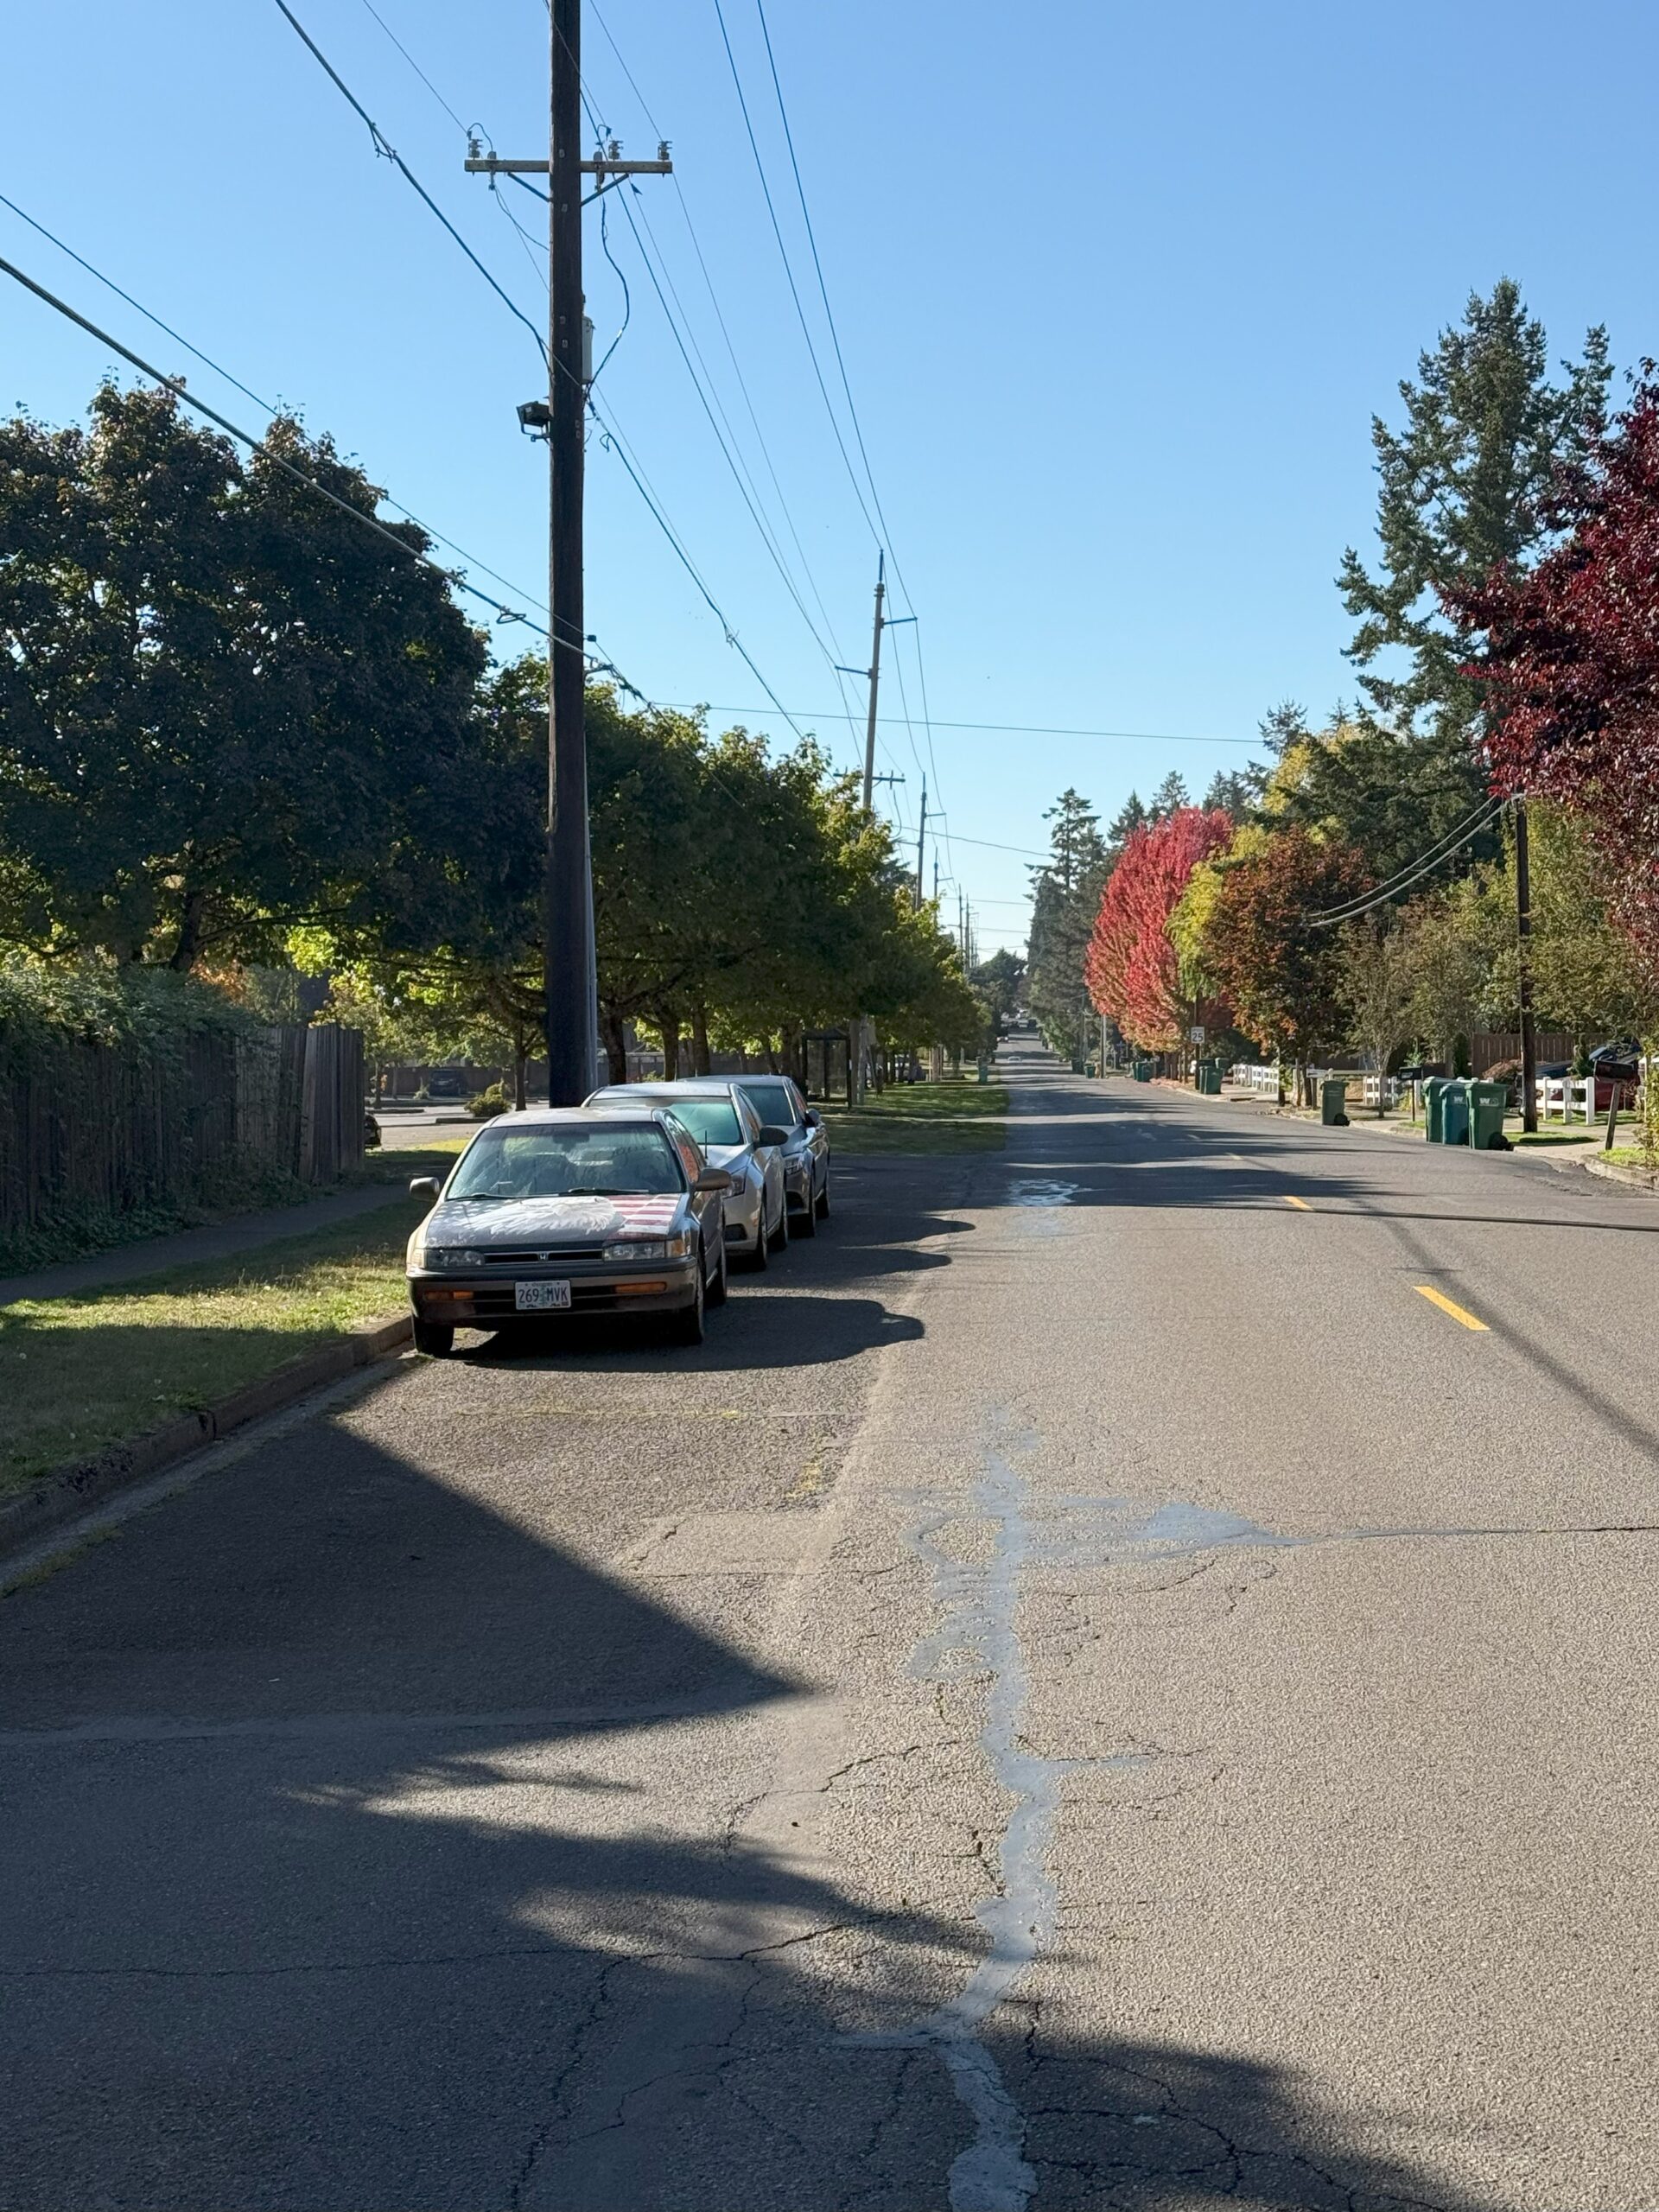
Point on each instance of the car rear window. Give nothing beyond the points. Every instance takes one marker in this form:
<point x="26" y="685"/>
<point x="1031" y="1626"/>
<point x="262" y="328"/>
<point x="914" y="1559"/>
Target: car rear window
<point x="774" y="1103"/>
<point x="554" y="1162"/>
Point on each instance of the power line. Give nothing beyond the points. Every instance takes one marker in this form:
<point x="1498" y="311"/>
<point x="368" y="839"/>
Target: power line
<point x="1413" y="873"/>
<point x="1020" y="729"/>
<point x="389" y="152"/>
<point x="794" y="291"/>
<point x="248" y="392"/>
<point x="177" y="387"/>
<point x="414" y="65"/>
<point x="618" y="445"/>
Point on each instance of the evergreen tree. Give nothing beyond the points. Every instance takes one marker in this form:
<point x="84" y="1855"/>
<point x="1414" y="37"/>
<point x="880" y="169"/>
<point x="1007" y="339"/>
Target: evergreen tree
<point x="1170" y="796"/>
<point x="1065" y="893"/>
<point x="1463" y="491"/>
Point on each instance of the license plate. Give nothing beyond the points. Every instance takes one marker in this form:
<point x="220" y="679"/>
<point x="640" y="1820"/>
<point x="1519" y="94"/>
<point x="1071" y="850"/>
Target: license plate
<point x="541" y="1297"/>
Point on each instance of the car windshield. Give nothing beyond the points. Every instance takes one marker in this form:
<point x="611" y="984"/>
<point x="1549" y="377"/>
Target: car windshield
<point x="711" y="1120"/>
<point x="555" y="1163"/>
<point x="773" y="1103"/>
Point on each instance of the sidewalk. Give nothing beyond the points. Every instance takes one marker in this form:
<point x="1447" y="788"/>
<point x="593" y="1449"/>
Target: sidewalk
<point x="219" y="1240"/>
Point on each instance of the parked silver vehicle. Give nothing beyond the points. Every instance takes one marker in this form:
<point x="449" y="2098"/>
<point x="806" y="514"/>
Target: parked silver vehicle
<point x="734" y="1138"/>
<point x="569" y="1211"/>
<point x="777" y="1099"/>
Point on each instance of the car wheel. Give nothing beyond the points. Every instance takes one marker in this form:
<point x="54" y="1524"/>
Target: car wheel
<point x="822" y="1208"/>
<point x="780" y="1234"/>
<point x="715" y="1293"/>
<point x="760" y="1258"/>
<point x="435" y="1338"/>
<point x="685" y="1327"/>
<point x="804" y="1224"/>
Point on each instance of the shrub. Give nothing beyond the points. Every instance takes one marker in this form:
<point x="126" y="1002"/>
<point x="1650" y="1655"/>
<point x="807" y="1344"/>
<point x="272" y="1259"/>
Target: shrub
<point x="485" y="1105"/>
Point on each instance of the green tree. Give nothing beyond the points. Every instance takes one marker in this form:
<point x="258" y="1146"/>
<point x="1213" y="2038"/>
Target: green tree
<point x="226" y="708"/>
<point x="1065" y="895"/>
<point x="1462" y="492"/>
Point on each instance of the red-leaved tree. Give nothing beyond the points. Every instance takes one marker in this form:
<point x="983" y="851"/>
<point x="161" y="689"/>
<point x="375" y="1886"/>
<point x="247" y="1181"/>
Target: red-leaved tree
<point x="1130" y="967"/>
<point x="1571" y="675"/>
<point x="1286" y="979"/>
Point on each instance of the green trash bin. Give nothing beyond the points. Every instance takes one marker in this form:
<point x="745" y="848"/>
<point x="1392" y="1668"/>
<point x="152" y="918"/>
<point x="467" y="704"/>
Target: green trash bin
<point x="1487" y="1102"/>
<point x="1210" y="1078"/>
<point x="1454" y="1111"/>
<point x="1434" y="1108"/>
<point x="1333" y="1102"/>
<point x="1140" y="1071"/>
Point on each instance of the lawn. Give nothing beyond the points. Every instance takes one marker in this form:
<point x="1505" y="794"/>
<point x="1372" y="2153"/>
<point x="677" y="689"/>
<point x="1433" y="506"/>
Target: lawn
<point x="922" y="1117"/>
<point x="77" y="1374"/>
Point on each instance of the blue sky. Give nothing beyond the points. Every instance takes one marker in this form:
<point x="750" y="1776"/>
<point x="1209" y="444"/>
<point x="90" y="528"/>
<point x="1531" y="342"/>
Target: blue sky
<point x="1119" y="289"/>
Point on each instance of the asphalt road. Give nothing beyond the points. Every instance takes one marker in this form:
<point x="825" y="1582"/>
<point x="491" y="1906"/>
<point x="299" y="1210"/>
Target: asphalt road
<point x="1091" y="1689"/>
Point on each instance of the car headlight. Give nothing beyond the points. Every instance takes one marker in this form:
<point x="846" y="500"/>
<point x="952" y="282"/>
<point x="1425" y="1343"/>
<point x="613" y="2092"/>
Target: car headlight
<point x="659" y="1248"/>
<point x="442" y="1257"/>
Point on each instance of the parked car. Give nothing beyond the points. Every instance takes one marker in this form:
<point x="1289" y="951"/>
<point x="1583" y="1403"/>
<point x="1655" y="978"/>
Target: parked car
<point x="570" y="1211"/>
<point x="734" y="1136"/>
<point x="446" y="1083"/>
<point x="778" y="1101"/>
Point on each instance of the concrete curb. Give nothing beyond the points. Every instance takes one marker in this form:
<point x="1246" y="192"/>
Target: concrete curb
<point x="1634" y="1179"/>
<point x="69" y="1490"/>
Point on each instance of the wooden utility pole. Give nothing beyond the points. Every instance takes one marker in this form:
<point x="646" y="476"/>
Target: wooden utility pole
<point x="1523" y="950"/>
<point x="876" y="681"/>
<point x="569" y="973"/>
<point x="568" y="954"/>
<point x="921" y="844"/>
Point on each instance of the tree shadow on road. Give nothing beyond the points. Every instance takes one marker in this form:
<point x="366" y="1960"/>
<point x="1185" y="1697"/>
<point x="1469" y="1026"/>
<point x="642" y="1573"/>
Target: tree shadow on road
<point x="368" y="1848"/>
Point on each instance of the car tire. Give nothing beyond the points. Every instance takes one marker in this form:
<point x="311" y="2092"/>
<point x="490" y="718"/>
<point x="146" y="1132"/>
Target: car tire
<point x="821" y="1207"/>
<point x="685" y="1327"/>
<point x="435" y="1338"/>
<point x="759" y="1259"/>
<point x="780" y="1234"/>
<point x="805" y="1223"/>
<point x="715" y="1292"/>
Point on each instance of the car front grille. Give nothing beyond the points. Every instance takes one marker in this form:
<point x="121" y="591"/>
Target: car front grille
<point x="552" y="1255"/>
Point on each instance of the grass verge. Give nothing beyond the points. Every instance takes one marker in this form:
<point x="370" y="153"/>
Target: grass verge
<point x="78" y="1374"/>
<point x="922" y="1117"/>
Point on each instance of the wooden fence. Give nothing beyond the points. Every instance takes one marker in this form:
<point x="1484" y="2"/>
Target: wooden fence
<point x="88" y="1134"/>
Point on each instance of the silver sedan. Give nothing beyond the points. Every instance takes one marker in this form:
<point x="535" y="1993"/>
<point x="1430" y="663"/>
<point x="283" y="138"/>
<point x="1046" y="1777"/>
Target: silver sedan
<point x="735" y="1138"/>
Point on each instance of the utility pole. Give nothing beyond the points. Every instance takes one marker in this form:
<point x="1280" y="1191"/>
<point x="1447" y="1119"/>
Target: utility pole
<point x="567" y="965"/>
<point x="876" y="679"/>
<point x="921" y="844"/>
<point x="1524" y="963"/>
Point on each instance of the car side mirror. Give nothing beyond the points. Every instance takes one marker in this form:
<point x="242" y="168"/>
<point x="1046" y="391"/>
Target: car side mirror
<point x="424" y="1186"/>
<point x="814" y="1119"/>
<point x="712" y="1183"/>
<point x="773" y="1135"/>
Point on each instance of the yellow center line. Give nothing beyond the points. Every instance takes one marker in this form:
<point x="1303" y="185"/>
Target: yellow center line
<point x="1300" y="1203"/>
<point x="1447" y="1306"/>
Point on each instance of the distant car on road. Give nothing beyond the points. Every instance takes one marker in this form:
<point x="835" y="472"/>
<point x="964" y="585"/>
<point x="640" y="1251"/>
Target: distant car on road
<point x="734" y="1136"/>
<point x="569" y="1211"/>
<point x="778" y="1101"/>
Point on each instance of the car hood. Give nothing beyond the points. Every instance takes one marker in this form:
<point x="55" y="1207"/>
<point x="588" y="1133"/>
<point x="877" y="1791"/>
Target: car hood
<point x="726" y="1156"/>
<point x="549" y="1221"/>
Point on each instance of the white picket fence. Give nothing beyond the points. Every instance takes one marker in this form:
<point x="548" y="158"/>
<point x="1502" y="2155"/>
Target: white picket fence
<point x="1245" y="1075"/>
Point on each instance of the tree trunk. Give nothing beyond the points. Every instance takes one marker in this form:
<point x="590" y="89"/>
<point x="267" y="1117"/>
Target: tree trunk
<point x="669" y="1029"/>
<point x="614" y="1031"/>
<point x="790" y="1041"/>
<point x="520" y="1054"/>
<point x="700" y="1041"/>
<point x="189" y="944"/>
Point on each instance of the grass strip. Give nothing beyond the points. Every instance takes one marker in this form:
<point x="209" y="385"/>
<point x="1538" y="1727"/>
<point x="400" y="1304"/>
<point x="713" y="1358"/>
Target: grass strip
<point x="922" y="1117"/>
<point x="79" y="1374"/>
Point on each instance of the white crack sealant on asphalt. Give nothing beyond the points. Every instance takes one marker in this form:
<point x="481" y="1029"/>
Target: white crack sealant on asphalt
<point x="978" y="1633"/>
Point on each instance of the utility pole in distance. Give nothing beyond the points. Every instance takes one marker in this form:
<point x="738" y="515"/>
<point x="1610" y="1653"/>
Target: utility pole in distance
<point x="921" y="844"/>
<point x="1523" y="962"/>
<point x="567" y="963"/>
